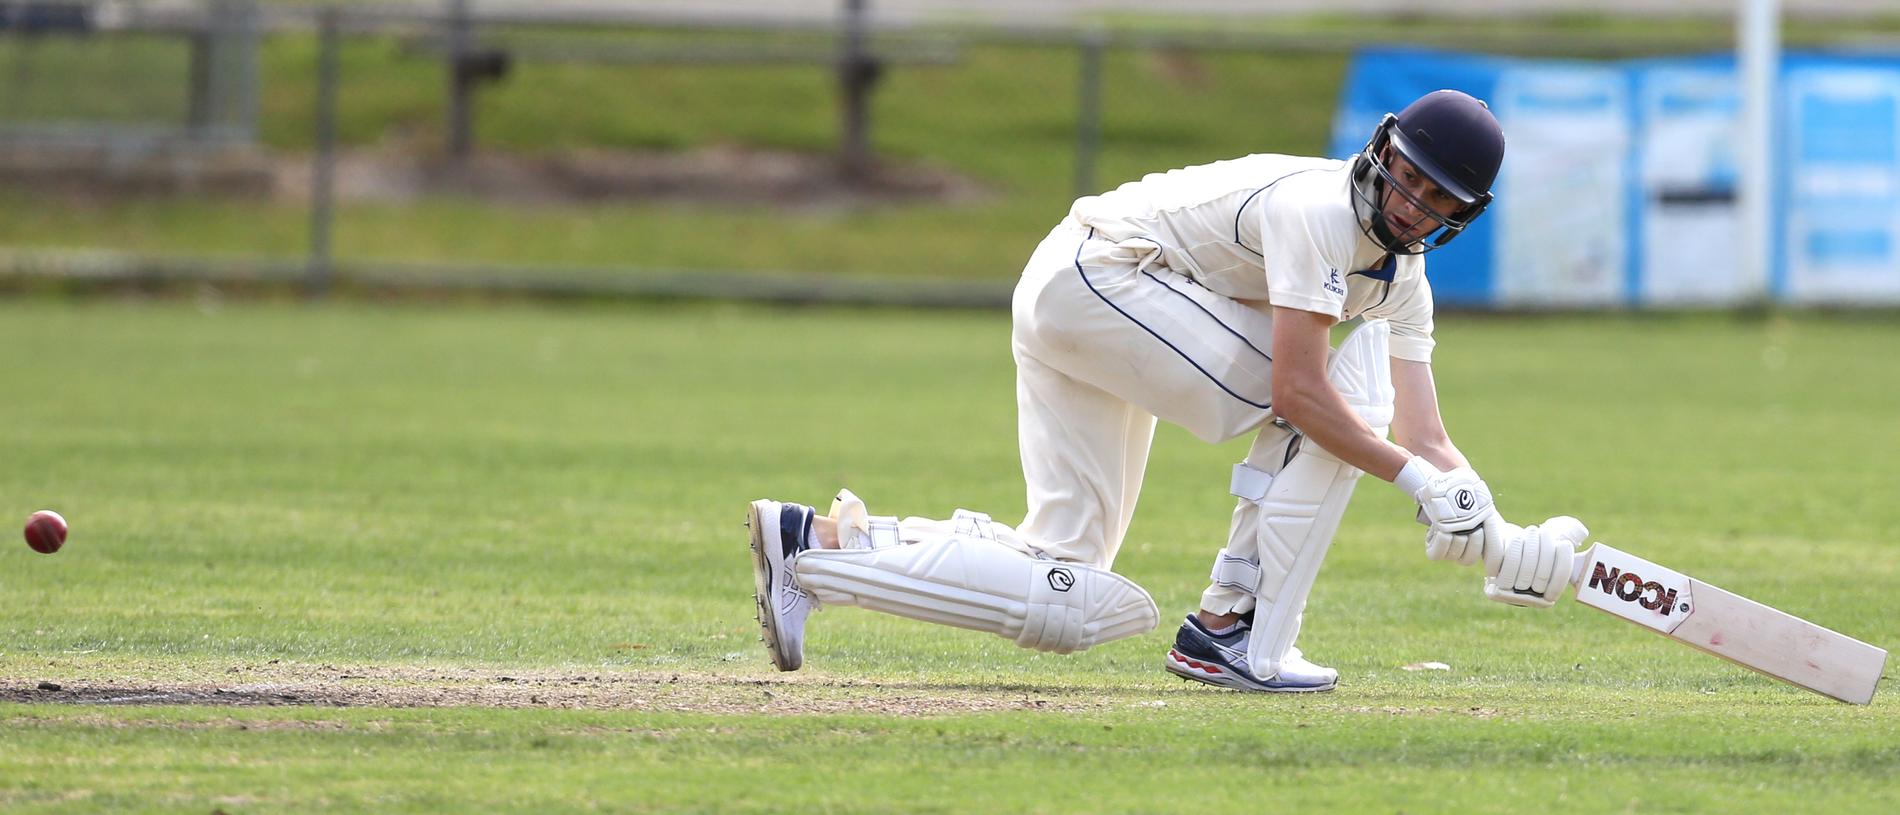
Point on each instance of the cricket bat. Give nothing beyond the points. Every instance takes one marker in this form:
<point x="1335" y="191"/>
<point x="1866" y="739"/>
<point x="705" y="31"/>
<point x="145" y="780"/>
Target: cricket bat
<point x="1728" y="625"/>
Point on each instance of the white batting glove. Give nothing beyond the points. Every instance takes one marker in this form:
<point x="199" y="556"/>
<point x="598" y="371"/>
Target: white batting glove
<point x="1455" y="504"/>
<point x="1532" y="566"/>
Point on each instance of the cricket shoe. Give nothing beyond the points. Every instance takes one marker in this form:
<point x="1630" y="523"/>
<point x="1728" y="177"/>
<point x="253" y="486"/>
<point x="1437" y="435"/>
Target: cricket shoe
<point x="779" y="533"/>
<point x="1202" y="656"/>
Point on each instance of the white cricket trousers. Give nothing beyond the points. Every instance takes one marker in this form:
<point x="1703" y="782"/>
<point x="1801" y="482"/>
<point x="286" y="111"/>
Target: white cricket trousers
<point x="1106" y="340"/>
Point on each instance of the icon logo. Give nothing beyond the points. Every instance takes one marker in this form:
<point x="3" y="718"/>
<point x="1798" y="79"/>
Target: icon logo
<point x="1628" y="587"/>
<point x="1465" y="499"/>
<point x="1061" y="579"/>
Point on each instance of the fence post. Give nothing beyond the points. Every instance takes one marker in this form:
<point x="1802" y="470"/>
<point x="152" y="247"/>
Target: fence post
<point x="1758" y="54"/>
<point x="323" y="169"/>
<point x="1088" y="113"/>
<point x="199" y="114"/>
<point x="461" y="86"/>
<point x="857" y="72"/>
<point x="242" y="57"/>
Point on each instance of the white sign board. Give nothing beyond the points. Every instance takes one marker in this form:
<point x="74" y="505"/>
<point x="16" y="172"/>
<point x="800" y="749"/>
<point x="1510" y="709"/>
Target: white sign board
<point x="1843" y="201"/>
<point x="1562" y="223"/>
<point x="1689" y="180"/>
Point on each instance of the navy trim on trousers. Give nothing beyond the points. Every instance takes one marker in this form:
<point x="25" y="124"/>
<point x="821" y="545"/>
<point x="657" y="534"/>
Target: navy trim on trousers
<point x="1157" y="335"/>
<point x="1191" y="301"/>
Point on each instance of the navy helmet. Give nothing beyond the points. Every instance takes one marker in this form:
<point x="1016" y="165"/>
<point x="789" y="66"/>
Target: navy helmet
<point x="1453" y="140"/>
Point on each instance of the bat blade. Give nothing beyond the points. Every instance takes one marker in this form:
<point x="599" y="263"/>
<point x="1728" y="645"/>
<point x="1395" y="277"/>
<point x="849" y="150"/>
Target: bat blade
<point x="1728" y="625"/>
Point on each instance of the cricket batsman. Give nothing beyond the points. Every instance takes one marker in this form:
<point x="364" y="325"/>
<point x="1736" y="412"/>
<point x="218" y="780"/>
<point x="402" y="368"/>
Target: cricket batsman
<point x="1205" y="297"/>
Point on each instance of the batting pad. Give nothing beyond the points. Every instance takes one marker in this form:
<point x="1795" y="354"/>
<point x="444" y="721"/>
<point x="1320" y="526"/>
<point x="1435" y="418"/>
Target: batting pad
<point x="1293" y="495"/>
<point x="1361" y="370"/>
<point x="983" y="585"/>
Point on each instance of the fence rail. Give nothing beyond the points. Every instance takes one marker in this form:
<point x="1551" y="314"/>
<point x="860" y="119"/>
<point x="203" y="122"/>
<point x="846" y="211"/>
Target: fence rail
<point x="96" y="268"/>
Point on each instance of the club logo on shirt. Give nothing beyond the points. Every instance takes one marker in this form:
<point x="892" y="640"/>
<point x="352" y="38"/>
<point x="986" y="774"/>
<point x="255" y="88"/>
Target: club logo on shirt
<point x="1333" y="283"/>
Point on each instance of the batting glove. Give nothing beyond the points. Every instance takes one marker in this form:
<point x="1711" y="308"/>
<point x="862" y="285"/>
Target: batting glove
<point x="1455" y="505"/>
<point x="1533" y="564"/>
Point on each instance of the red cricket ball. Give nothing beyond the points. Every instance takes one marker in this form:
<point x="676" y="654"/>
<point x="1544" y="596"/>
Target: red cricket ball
<point x="45" y="531"/>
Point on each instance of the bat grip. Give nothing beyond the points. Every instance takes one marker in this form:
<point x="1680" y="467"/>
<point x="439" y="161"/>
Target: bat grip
<point x="1580" y="562"/>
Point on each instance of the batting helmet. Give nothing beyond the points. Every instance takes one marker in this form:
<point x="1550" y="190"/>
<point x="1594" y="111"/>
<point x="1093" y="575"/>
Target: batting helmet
<point x="1452" y="139"/>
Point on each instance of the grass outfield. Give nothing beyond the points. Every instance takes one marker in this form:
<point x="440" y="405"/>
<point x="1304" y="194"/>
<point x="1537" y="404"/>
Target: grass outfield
<point x="347" y="557"/>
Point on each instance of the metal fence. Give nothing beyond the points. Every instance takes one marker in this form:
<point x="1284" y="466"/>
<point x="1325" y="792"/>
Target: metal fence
<point x="114" y="77"/>
<point x="1095" y="106"/>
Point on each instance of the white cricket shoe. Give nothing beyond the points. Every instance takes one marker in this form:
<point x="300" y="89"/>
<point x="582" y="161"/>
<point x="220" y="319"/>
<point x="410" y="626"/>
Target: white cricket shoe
<point x="1202" y="656"/>
<point x="779" y="533"/>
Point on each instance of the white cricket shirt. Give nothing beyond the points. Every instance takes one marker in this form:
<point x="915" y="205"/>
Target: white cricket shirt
<point x="1276" y="228"/>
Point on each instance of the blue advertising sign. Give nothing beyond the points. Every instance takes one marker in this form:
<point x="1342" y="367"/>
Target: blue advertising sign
<point x="1619" y="184"/>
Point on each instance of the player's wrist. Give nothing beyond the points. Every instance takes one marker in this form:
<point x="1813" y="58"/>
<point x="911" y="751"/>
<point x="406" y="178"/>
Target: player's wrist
<point x="1414" y="475"/>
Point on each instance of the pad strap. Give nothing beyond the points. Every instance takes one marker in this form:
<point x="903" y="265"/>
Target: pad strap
<point x="973" y="523"/>
<point x="882" y="531"/>
<point x="1249" y="484"/>
<point x="858" y="529"/>
<point x="1237" y="573"/>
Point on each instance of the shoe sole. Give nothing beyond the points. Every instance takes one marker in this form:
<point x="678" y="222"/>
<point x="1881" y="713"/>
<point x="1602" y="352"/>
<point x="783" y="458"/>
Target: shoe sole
<point x="1208" y="673"/>
<point x="762" y="570"/>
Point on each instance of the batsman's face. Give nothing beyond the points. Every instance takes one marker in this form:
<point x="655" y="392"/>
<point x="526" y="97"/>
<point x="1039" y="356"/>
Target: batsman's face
<point x="1415" y="206"/>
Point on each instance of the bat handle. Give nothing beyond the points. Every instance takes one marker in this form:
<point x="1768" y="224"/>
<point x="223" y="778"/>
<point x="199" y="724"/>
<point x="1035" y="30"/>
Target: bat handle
<point x="1580" y="562"/>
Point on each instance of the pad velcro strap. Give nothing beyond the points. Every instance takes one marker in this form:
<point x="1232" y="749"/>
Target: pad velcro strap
<point x="1237" y="573"/>
<point x="974" y="524"/>
<point x="1249" y="483"/>
<point x="884" y="531"/>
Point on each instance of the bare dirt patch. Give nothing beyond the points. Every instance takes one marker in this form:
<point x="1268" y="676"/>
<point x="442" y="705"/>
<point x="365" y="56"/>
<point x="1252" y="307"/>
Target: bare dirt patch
<point x="279" y="684"/>
<point x="1396" y="710"/>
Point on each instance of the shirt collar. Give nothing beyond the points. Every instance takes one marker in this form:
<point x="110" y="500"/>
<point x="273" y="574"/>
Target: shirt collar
<point x="1384" y="271"/>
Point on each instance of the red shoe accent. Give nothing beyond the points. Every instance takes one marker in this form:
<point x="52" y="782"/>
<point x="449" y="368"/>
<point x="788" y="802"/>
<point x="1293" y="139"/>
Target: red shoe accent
<point x="1213" y="670"/>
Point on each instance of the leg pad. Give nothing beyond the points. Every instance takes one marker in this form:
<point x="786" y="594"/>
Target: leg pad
<point x="983" y="585"/>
